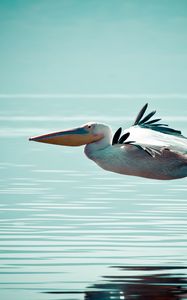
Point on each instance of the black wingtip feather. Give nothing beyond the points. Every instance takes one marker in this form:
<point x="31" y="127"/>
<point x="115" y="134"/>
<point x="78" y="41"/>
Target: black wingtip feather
<point x="144" y="120"/>
<point x="140" y="114"/>
<point x="124" y="137"/>
<point x="153" y="121"/>
<point x="116" y="136"/>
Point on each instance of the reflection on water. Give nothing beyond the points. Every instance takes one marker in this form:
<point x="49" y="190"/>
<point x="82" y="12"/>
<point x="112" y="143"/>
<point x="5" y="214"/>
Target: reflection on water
<point x="141" y="283"/>
<point x="64" y="222"/>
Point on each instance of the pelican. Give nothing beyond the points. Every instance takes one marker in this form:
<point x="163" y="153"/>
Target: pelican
<point x="147" y="149"/>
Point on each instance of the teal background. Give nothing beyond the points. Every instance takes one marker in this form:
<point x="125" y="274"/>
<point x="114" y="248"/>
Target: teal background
<point x="94" y="46"/>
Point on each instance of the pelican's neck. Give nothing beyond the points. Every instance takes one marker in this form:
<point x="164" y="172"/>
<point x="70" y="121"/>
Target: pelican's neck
<point x="92" y="149"/>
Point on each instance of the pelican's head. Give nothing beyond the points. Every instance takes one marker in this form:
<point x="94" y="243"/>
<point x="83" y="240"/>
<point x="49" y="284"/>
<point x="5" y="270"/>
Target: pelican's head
<point x="86" y="134"/>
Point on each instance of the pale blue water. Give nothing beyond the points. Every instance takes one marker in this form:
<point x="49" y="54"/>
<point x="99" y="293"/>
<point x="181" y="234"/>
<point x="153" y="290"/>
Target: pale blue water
<point x="69" y="230"/>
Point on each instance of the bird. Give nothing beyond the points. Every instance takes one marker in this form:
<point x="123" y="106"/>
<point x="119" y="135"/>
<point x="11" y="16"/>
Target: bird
<point x="147" y="149"/>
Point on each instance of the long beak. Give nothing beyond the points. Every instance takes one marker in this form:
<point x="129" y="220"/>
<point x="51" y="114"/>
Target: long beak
<point x="73" y="137"/>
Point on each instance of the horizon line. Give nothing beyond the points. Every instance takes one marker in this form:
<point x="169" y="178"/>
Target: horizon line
<point x="102" y="95"/>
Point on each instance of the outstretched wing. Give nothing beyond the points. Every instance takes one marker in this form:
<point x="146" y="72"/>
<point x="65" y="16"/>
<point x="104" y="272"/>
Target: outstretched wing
<point x="153" y="124"/>
<point x="151" y="136"/>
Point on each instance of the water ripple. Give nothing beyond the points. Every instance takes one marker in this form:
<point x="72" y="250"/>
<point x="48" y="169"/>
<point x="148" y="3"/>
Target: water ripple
<point x="69" y="230"/>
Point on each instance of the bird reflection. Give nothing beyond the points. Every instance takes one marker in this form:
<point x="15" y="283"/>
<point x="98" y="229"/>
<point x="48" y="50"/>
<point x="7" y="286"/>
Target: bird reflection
<point x="138" y="283"/>
<point x="149" y="283"/>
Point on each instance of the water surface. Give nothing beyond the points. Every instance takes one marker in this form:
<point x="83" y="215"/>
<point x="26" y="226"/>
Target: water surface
<point x="69" y="230"/>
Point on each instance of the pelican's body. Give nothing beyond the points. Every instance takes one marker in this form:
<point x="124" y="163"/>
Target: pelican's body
<point x="147" y="149"/>
<point x="130" y="160"/>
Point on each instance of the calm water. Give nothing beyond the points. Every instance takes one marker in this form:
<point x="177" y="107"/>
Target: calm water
<point x="69" y="230"/>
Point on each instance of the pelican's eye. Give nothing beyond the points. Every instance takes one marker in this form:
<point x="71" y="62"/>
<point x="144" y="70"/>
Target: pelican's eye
<point x="90" y="126"/>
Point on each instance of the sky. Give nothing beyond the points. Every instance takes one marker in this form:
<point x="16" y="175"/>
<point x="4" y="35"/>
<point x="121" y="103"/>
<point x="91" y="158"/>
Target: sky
<point x="93" y="47"/>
